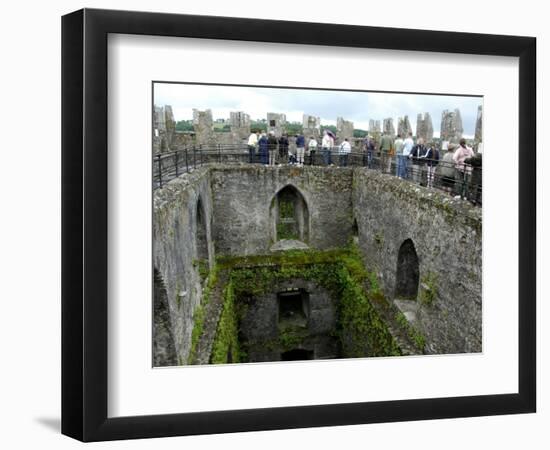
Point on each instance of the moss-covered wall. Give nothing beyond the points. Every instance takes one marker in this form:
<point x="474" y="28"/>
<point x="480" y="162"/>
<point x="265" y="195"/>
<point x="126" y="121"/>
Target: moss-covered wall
<point x="341" y="320"/>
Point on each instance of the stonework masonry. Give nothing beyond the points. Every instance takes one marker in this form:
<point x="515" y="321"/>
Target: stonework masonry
<point x="389" y="129"/>
<point x="446" y="235"/>
<point x="327" y="193"/>
<point x="478" y="136"/>
<point x="451" y="126"/>
<point x="220" y="210"/>
<point x="311" y="126"/>
<point x="404" y="126"/>
<point x="176" y="237"/>
<point x="374" y="126"/>
<point x="276" y="123"/>
<point x="424" y="127"/>
<point x="344" y="129"/>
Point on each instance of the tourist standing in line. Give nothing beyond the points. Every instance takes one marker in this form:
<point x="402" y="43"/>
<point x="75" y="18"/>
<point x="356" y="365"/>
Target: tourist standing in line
<point x="408" y="145"/>
<point x="385" y="150"/>
<point x="447" y="169"/>
<point x="344" y="151"/>
<point x="417" y="153"/>
<point x="300" y="149"/>
<point x="399" y="163"/>
<point x="369" y="151"/>
<point x="283" y="148"/>
<point x="327" y="143"/>
<point x="475" y="179"/>
<point x="252" y="143"/>
<point x="432" y="160"/>
<point x="263" y="149"/>
<point x="272" y="147"/>
<point x="311" y="149"/>
<point x="461" y="169"/>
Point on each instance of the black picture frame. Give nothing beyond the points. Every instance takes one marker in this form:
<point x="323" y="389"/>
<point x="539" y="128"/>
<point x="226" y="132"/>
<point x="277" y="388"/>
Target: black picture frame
<point x="84" y="224"/>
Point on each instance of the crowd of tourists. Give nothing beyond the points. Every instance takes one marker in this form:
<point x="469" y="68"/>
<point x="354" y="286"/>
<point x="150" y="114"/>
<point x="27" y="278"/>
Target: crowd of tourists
<point x="454" y="168"/>
<point x="265" y="148"/>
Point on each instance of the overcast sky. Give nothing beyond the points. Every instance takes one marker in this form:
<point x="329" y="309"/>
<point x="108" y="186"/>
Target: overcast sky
<point x="358" y="107"/>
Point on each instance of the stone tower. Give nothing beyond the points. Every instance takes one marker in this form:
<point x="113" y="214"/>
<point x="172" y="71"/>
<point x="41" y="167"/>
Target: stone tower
<point x="374" y="126"/>
<point x="451" y="126"/>
<point x="389" y="129"/>
<point x="404" y="126"/>
<point x="311" y="126"/>
<point x="240" y="124"/>
<point x="478" y="136"/>
<point x="424" y="127"/>
<point x="164" y="129"/>
<point x="202" y="123"/>
<point x="276" y="123"/>
<point x="344" y="129"/>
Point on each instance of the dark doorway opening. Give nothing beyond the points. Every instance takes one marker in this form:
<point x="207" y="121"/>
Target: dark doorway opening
<point x="408" y="272"/>
<point x="297" y="354"/>
<point x="293" y="306"/>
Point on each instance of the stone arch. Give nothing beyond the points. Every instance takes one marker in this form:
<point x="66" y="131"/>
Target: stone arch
<point x="408" y="272"/>
<point x="201" y="237"/>
<point x="289" y="215"/>
<point x="164" y="349"/>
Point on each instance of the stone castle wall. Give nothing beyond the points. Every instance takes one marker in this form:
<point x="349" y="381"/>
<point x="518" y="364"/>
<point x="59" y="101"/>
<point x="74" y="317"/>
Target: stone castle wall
<point x="237" y="204"/>
<point x="242" y="199"/>
<point x="446" y="234"/>
<point x="176" y="252"/>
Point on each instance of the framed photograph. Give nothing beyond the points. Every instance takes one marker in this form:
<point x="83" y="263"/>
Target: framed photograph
<point x="273" y="224"/>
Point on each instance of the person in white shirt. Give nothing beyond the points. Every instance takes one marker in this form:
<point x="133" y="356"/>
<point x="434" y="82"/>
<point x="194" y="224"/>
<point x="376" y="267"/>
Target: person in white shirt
<point x="408" y="145"/>
<point x="311" y="149"/>
<point x="327" y="143"/>
<point x="344" y="151"/>
<point x="252" y="143"/>
<point x="398" y="146"/>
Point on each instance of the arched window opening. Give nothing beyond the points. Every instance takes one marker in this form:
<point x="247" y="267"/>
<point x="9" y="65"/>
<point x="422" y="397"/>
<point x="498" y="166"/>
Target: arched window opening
<point x="290" y="215"/>
<point x="408" y="272"/>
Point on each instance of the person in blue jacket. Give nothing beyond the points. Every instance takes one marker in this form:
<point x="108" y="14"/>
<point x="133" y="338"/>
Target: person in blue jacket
<point x="263" y="149"/>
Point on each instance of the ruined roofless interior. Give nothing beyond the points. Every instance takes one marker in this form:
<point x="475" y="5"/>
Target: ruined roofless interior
<point x="255" y="263"/>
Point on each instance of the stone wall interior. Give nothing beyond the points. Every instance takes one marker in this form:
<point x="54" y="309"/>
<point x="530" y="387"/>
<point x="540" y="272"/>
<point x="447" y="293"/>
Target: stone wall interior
<point x="255" y="263"/>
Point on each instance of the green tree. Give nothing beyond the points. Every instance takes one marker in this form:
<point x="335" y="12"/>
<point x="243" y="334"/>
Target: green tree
<point x="184" y="125"/>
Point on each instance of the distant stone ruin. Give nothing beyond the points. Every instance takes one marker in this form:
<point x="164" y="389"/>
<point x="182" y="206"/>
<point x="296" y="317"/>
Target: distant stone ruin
<point x="164" y="128"/>
<point x="374" y="126"/>
<point x="424" y="127"/>
<point x="389" y="129"/>
<point x="276" y="123"/>
<point x="344" y="129"/>
<point x="478" y="136"/>
<point x="240" y="124"/>
<point x="205" y="133"/>
<point x="404" y="126"/>
<point x="311" y="126"/>
<point x="451" y="126"/>
<point x="202" y="123"/>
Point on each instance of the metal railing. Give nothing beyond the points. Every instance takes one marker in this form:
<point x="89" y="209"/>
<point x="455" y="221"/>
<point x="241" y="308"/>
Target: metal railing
<point x="435" y="174"/>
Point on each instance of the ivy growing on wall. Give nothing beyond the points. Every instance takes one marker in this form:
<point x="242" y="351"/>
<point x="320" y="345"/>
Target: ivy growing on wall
<point x="360" y="329"/>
